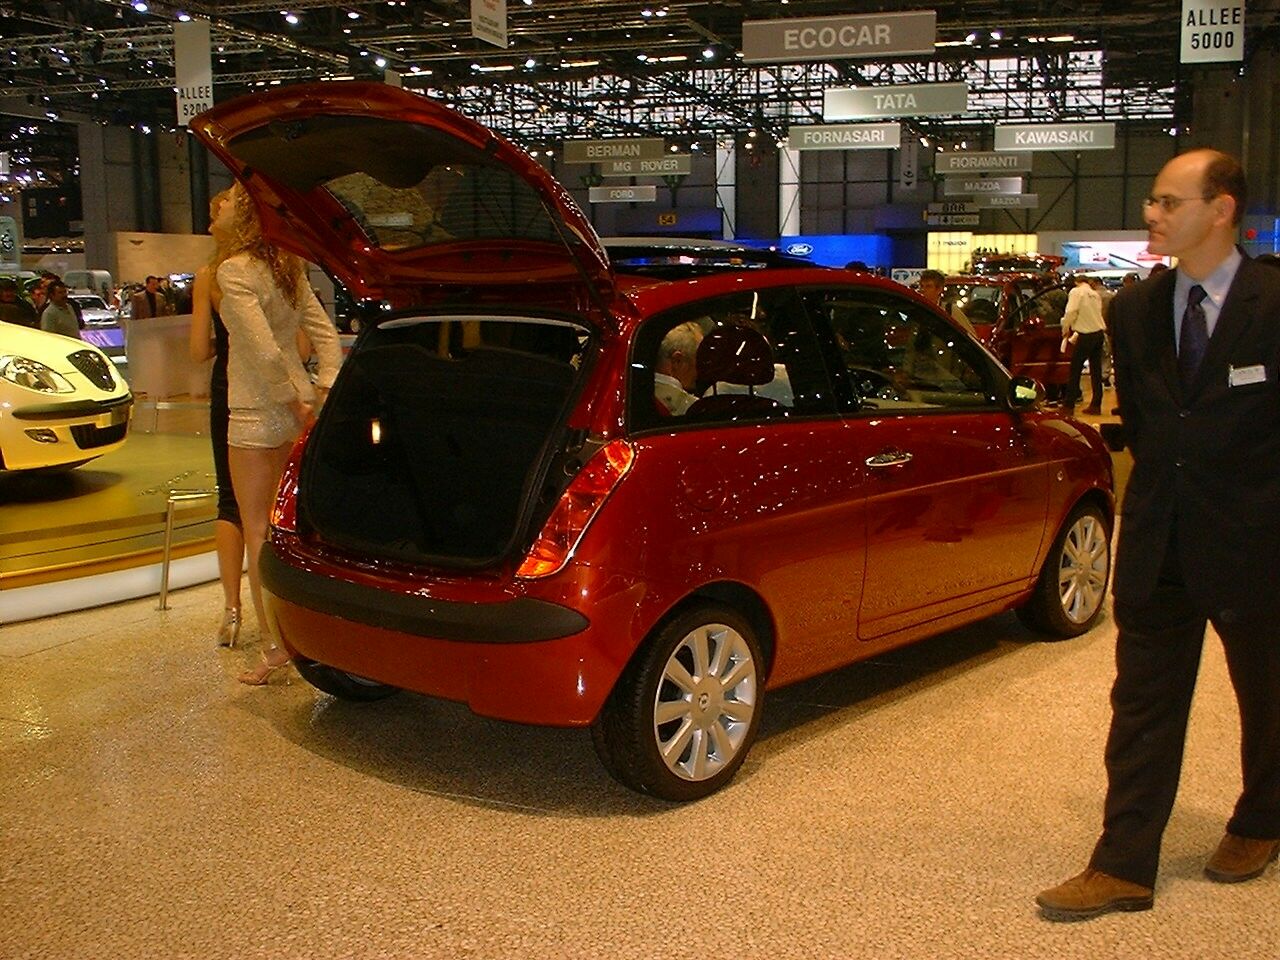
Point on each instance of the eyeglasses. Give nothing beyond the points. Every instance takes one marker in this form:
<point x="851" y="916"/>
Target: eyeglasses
<point x="1168" y="203"/>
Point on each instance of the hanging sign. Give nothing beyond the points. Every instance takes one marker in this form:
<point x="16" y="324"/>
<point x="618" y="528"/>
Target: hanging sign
<point x="192" y="68"/>
<point x="598" y="151"/>
<point x="975" y="162"/>
<point x="1055" y="136"/>
<point x="846" y="136"/>
<point x="673" y="164"/>
<point x="648" y="194"/>
<point x="1025" y="201"/>
<point x="1212" y="32"/>
<point x="489" y="21"/>
<point x="908" y="163"/>
<point x="10" y="244"/>
<point x="839" y="38"/>
<point x="905" y="100"/>
<point x="976" y="186"/>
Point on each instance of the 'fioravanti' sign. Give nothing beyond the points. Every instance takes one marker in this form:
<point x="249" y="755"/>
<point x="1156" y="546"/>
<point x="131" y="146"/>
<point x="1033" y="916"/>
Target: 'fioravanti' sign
<point x="1055" y="136"/>
<point x="846" y="136"/>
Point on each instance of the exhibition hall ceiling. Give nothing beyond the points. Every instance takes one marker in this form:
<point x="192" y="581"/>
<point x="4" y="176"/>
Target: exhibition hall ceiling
<point x="601" y="67"/>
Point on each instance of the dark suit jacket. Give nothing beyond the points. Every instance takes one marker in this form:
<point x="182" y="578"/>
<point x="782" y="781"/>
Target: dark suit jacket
<point x="1208" y="456"/>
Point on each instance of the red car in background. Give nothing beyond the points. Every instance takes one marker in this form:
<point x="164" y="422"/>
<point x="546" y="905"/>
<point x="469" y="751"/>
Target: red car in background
<point x="495" y="506"/>
<point x="1018" y="317"/>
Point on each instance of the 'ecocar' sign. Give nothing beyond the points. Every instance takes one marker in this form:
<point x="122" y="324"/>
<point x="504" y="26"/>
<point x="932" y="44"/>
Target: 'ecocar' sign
<point x="838" y="38"/>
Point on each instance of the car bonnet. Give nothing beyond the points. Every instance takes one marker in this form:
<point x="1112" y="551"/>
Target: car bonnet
<point x="407" y="201"/>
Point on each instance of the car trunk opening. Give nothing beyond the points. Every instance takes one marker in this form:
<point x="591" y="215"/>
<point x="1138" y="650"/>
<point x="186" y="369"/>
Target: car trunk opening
<point x="436" y="441"/>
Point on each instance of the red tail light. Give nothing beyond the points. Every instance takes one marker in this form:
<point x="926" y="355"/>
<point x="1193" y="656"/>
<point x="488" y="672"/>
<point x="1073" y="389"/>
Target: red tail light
<point x="577" y="508"/>
<point x="284" y="513"/>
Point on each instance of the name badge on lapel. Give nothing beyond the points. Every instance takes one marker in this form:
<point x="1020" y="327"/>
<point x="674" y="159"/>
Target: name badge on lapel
<point x="1242" y="376"/>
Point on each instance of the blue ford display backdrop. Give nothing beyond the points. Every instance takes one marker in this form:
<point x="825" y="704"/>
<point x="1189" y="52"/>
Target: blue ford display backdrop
<point x="838" y="249"/>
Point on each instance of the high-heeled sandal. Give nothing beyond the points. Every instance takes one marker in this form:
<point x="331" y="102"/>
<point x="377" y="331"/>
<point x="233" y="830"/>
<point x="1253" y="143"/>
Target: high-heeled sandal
<point x="261" y="675"/>
<point x="229" y="630"/>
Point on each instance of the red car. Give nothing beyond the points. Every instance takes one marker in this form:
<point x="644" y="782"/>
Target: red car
<point x="564" y="495"/>
<point x="1019" y="318"/>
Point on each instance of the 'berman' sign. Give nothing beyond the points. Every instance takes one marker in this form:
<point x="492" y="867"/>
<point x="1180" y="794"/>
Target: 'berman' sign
<point x="1055" y="136"/>
<point x="910" y="100"/>
<point x="839" y="38"/>
<point x="598" y="151"/>
<point x="982" y="163"/>
<point x="846" y="136"/>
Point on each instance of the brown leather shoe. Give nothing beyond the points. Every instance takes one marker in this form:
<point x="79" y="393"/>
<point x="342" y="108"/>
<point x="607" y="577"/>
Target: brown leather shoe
<point x="1091" y="894"/>
<point x="1238" y="859"/>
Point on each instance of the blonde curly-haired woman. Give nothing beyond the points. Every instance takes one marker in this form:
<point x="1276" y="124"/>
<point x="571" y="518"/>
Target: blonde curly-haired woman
<point x="265" y="300"/>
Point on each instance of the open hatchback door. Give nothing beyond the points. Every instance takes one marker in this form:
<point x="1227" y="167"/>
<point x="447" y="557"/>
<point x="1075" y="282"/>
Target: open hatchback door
<point x="406" y="201"/>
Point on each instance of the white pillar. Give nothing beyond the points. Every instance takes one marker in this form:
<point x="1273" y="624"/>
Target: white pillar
<point x="788" y="192"/>
<point x="727" y="186"/>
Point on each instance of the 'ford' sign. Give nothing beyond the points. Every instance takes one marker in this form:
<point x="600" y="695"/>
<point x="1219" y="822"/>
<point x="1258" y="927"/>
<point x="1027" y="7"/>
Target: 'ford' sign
<point x="800" y="249"/>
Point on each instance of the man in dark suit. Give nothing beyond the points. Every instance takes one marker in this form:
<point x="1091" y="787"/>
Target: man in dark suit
<point x="1197" y="355"/>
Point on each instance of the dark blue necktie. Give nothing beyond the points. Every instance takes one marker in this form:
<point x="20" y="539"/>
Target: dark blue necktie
<point x="1193" y="340"/>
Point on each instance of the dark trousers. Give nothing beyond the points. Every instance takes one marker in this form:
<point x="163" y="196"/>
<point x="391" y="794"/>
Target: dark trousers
<point x="1157" y="659"/>
<point x="1088" y="347"/>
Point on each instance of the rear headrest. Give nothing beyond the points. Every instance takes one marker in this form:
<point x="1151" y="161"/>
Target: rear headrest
<point x="738" y="355"/>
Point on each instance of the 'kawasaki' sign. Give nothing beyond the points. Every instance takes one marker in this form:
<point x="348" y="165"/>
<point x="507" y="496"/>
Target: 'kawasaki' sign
<point x="1055" y="136"/>
<point x="846" y="136"/>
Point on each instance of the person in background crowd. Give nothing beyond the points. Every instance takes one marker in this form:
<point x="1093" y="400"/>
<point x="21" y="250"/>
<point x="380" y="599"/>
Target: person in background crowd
<point x="40" y="292"/>
<point x="1200" y="403"/>
<point x="1157" y="269"/>
<point x="14" y="309"/>
<point x="149" y="301"/>
<point x="265" y="300"/>
<point x="1082" y="325"/>
<point x="676" y="368"/>
<point x="61" y="315"/>
<point x="1129" y="280"/>
<point x="932" y="283"/>
<point x="208" y="338"/>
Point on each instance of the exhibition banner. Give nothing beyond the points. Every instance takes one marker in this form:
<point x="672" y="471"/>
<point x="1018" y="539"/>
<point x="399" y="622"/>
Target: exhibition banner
<point x="906" y="100"/>
<point x="846" y="136"/>
<point x="671" y="165"/>
<point x="598" y="151"/>
<point x="489" y="21"/>
<point x="978" y="186"/>
<point x="646" y="194"/>
<point x="966" y="162"/>
<point x="1055" y="136"/>
<point x="192" y="69"/>
<point x="1025" y="201"/>
<point x="839" y="38"/>
<point x="1212" y="31"/>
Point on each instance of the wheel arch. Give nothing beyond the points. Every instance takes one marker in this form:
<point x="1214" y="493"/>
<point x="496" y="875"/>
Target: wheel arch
<point x="740" y="597"/>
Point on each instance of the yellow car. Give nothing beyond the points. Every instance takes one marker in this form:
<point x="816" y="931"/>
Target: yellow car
<point x="62" y="402"/>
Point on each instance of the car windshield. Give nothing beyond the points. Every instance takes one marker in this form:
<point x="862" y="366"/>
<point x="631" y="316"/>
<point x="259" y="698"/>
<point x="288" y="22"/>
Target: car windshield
<point x="93" y="303"/>
<point x="980" y="302"/>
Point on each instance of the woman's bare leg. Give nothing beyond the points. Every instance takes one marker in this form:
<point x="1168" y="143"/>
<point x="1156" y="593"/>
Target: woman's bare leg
<point x="229" y="542"/>
<point x="256" y="474"/>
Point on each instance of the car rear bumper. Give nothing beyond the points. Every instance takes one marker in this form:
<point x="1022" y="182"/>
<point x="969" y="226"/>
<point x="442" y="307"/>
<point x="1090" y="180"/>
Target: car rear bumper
<point x="529" y="659"/>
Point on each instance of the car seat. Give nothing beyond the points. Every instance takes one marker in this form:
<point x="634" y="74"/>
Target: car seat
<point x="740" y="356"/>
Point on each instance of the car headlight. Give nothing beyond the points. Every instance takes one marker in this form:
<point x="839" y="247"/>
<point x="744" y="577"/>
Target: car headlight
<point x="34" y="375"/>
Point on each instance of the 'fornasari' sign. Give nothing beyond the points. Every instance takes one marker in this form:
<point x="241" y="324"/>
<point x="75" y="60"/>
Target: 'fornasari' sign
<point x="598" y="151"/>
<point x="1055" y="136"/>
<point x="837" y="38"/>
<point x="975" y="162"/>
<point x="905" y="100"/>
<point x="846" y="136"/>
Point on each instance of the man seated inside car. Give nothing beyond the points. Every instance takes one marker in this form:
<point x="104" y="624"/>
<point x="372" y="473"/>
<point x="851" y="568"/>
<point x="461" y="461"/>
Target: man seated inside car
<point x="676" y="369"/>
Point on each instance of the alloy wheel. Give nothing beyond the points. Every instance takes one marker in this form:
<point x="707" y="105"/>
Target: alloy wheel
<point x="1082" y="570"/>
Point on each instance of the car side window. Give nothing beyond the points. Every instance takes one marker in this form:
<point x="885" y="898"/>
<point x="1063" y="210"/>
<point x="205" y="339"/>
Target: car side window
<point x="742" y="357"/>
<point x="899" y="356"/>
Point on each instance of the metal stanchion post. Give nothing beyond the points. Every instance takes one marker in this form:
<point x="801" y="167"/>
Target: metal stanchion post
<point x="175" y="497"/>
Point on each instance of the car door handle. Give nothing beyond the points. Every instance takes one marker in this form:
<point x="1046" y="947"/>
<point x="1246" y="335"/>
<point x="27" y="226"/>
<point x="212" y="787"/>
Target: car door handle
<point x="889" y="458"/>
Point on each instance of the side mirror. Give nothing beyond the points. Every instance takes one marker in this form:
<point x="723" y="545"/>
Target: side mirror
<point x="1113" y="436"/>
<point x="1025" y="393"/>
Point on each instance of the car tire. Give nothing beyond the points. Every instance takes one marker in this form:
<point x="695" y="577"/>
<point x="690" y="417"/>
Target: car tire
<point x="343" y="685"/>
<point x="703" y="671"/>
<point x="1070" y="593"/>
